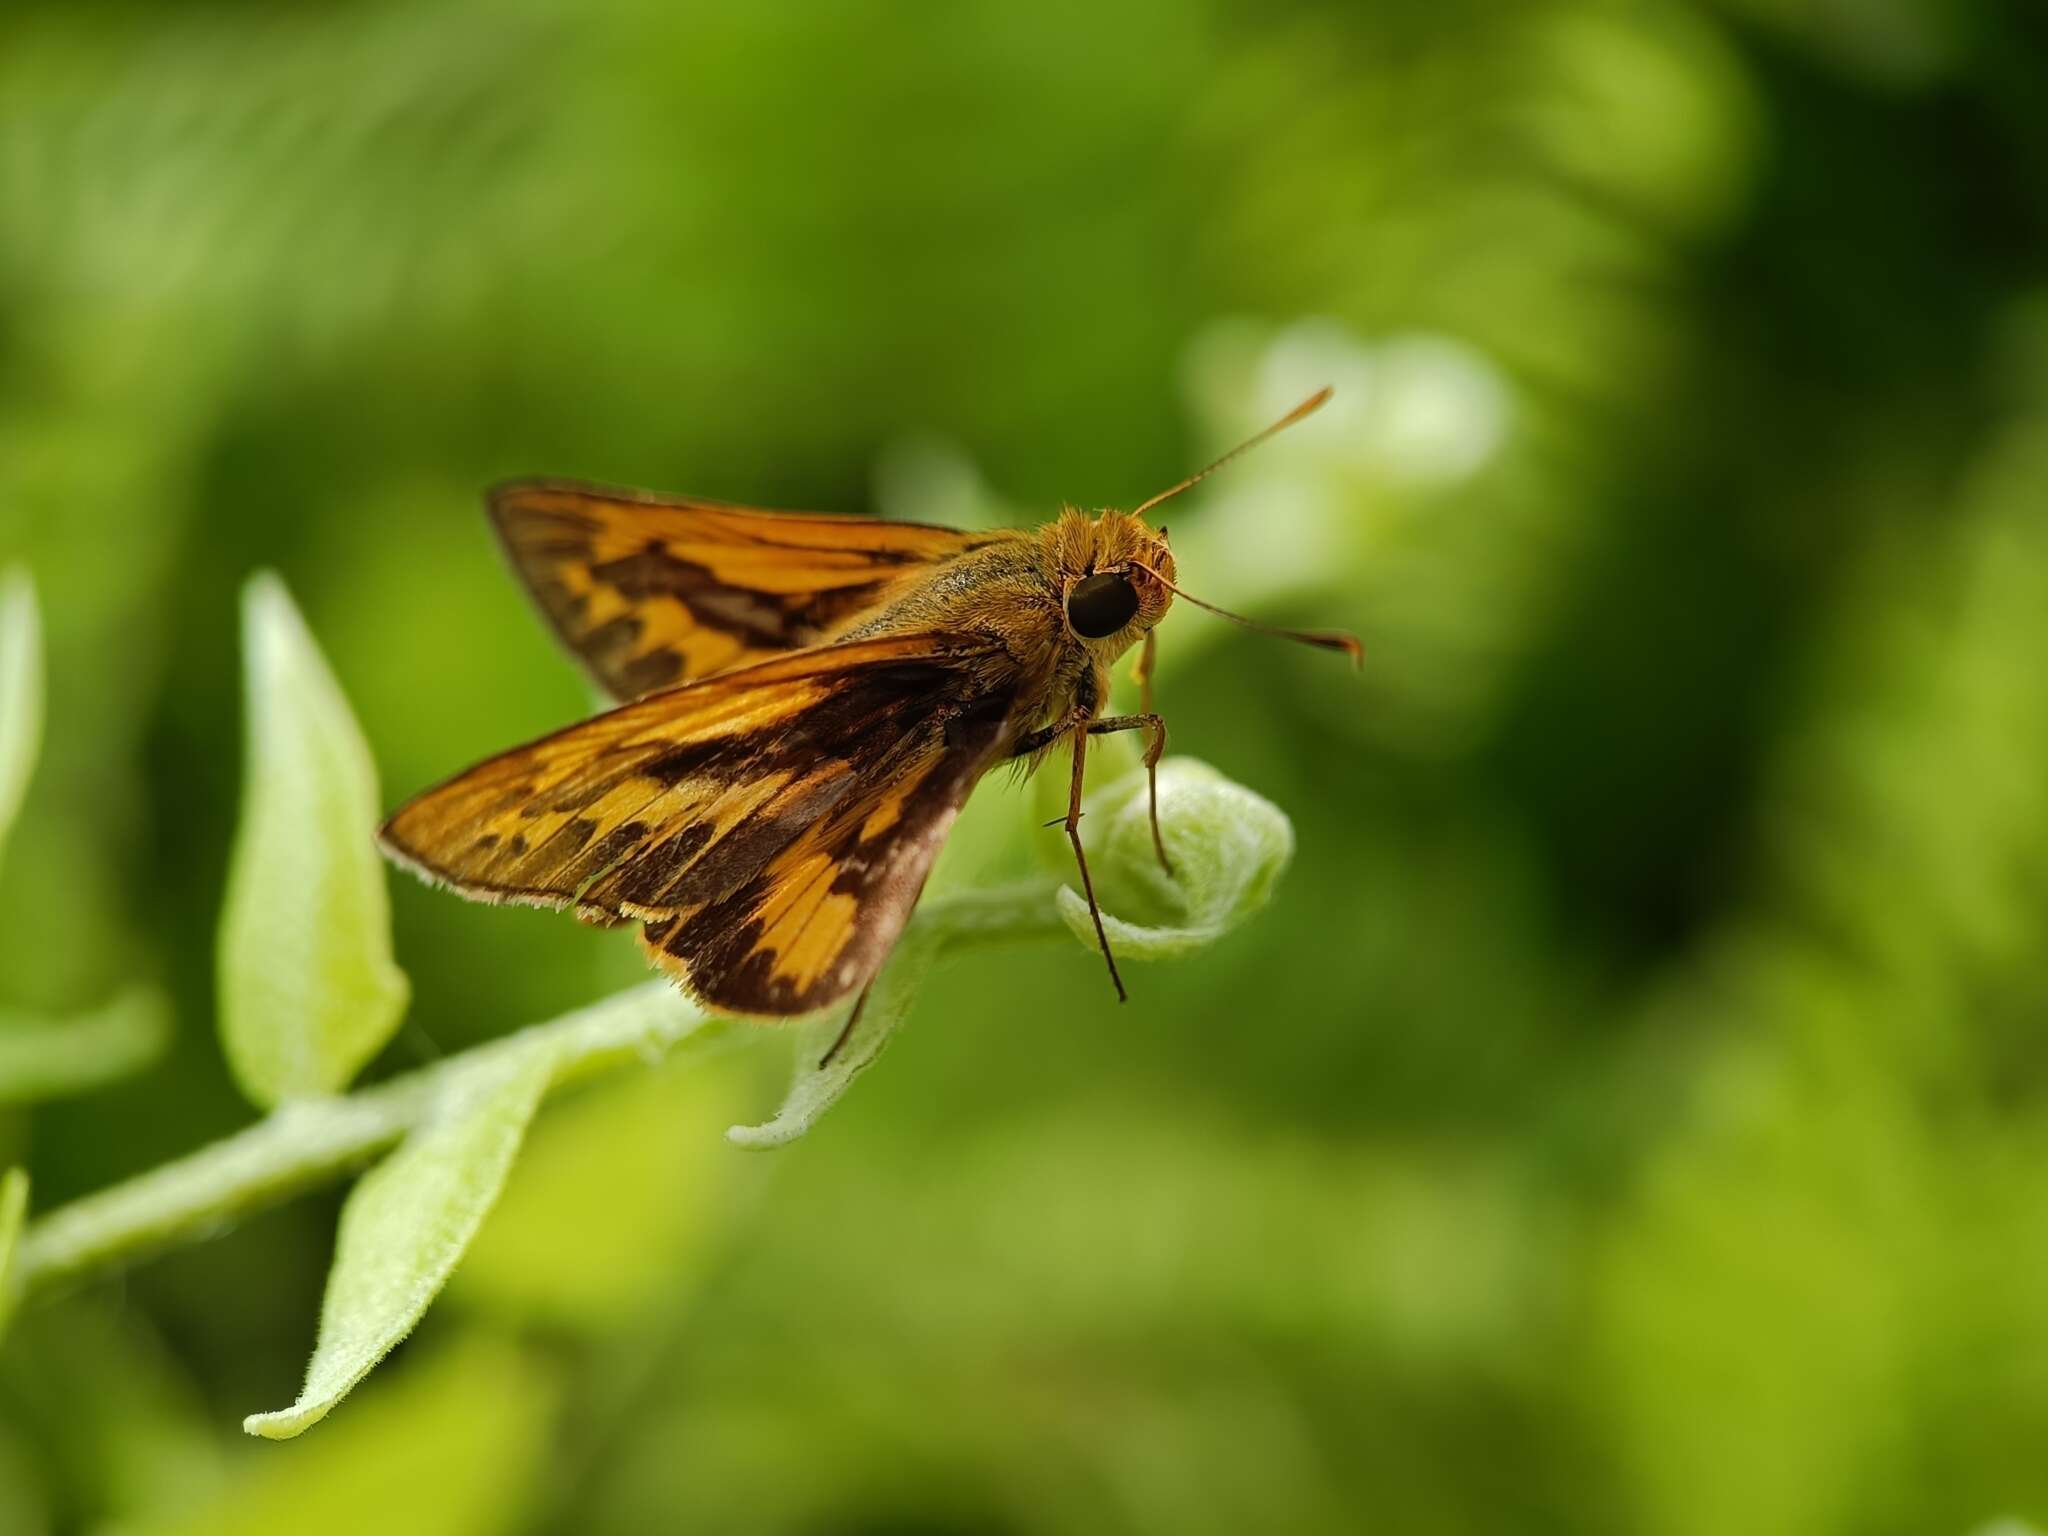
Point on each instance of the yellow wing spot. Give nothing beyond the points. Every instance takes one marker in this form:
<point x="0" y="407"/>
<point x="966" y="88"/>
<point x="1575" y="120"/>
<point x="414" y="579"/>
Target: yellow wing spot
<point x="889" y="808"/>
<point x="704" y="650"/>
<point x="882" y="817"/>
<point x="790" y="888"/>
<point x="734" y="714"/>
<point x="824" y="935"/>
<point x="803" y="922"/>
<point x="603" y="604"/>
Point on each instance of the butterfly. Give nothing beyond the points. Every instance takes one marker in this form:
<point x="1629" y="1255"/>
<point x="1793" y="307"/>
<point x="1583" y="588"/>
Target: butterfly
<point x="806" y="703"/>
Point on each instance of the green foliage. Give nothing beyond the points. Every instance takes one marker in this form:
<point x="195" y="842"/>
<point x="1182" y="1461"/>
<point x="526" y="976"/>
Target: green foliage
<point x="667" y="1202"/>
<point x="1630" y="1111"/>
<point x="43" y="1058"/>
<point x="13" y="1210"/>
<point x="21" y="691"/>
<point x="119" y="1426"/>
<point x="300" y="893"/>
<point x="308" y="989"/>
<point x="1848" y="1116"/>
<point x="454" y="1449"/>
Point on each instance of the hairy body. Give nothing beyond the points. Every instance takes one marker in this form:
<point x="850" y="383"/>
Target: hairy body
<point x="1014" y="591"/>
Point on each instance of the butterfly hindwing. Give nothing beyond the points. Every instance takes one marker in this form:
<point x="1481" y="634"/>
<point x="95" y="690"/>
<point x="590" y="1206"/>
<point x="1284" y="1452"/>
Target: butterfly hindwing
<point x="678" y="803"/>
<point x="652" y="591"/>
<point x="816" y="922"/>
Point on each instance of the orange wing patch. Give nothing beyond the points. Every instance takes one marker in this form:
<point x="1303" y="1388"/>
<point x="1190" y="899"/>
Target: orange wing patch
<point x="668" y="806"/>
<point x="652" y="591"/>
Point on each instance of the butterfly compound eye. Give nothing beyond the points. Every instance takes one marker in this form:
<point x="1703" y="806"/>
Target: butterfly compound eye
<point x="1101" y="604"/>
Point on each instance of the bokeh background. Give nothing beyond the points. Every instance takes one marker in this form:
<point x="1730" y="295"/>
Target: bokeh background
<point x="1631" y="1115"/>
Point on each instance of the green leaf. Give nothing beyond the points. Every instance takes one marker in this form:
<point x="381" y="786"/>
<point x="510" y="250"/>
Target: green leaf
<point x="21" y="691"/>
<point x="13" y="1212"/>
<point x="308" y="988"/>
<point x="42" y="1058"/>
<point x="1228" y="846"/>
<point x="406" y="1225"/>
<point x="826" y="1065"/>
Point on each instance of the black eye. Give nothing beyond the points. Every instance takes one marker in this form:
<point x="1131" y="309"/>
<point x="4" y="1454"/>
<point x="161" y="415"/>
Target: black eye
<point x="1101" y="604"/>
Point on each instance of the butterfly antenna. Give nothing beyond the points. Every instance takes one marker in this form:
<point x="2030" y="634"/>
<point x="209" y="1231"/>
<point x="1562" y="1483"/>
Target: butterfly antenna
<point x="1326" y="639"/>
<point x="1307" y="407"/>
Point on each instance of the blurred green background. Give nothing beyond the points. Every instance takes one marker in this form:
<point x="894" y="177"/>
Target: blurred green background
<point x="1632" y="1113"/>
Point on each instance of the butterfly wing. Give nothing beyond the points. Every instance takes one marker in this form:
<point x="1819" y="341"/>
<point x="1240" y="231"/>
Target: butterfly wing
<point x="817" y="920"/>
<point x="652" y="591"/>
<point x="772" y="826"/>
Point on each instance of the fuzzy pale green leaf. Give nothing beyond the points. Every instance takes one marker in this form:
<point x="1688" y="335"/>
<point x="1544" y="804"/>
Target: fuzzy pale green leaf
<point x="21" y="691"/>
<point x="308" y="989"/>
<point x="44" y="1058"/>
<point x="1228" y="846"/>
<point x="13" y="1212"/>
<point x="405" y="1226"/>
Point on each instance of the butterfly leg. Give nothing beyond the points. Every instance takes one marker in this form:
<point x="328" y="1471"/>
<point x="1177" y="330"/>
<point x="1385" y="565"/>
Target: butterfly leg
<point x="1141" y="670"/>
<point x="846" y="1030"/>
<point x="1154" y="750"/>
<point x="1080" y="729"/>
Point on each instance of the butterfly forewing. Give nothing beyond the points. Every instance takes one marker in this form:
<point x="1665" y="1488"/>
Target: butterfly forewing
<point x="652" y="591"/>
<point x="773" y="826"/>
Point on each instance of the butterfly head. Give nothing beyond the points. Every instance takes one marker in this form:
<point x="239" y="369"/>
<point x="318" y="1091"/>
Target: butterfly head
<point x="1114" y="575"/>
<point x="1117" y="576"/>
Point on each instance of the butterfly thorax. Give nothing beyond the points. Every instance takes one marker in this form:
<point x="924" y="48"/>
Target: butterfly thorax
<point x="1020" y="592"/>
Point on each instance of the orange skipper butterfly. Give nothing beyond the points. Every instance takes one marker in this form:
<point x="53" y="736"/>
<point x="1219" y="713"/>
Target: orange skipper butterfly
<point x="810" y="701"/>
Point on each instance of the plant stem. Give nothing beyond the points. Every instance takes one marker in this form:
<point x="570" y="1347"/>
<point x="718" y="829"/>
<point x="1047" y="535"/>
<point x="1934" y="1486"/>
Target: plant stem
<point x="305" y="1143"/>
<point x="302" y="1144"/>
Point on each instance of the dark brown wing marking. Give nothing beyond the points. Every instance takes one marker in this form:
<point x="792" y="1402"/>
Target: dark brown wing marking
<point x="651" y="591"/>
<point x="815" y="923"/>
